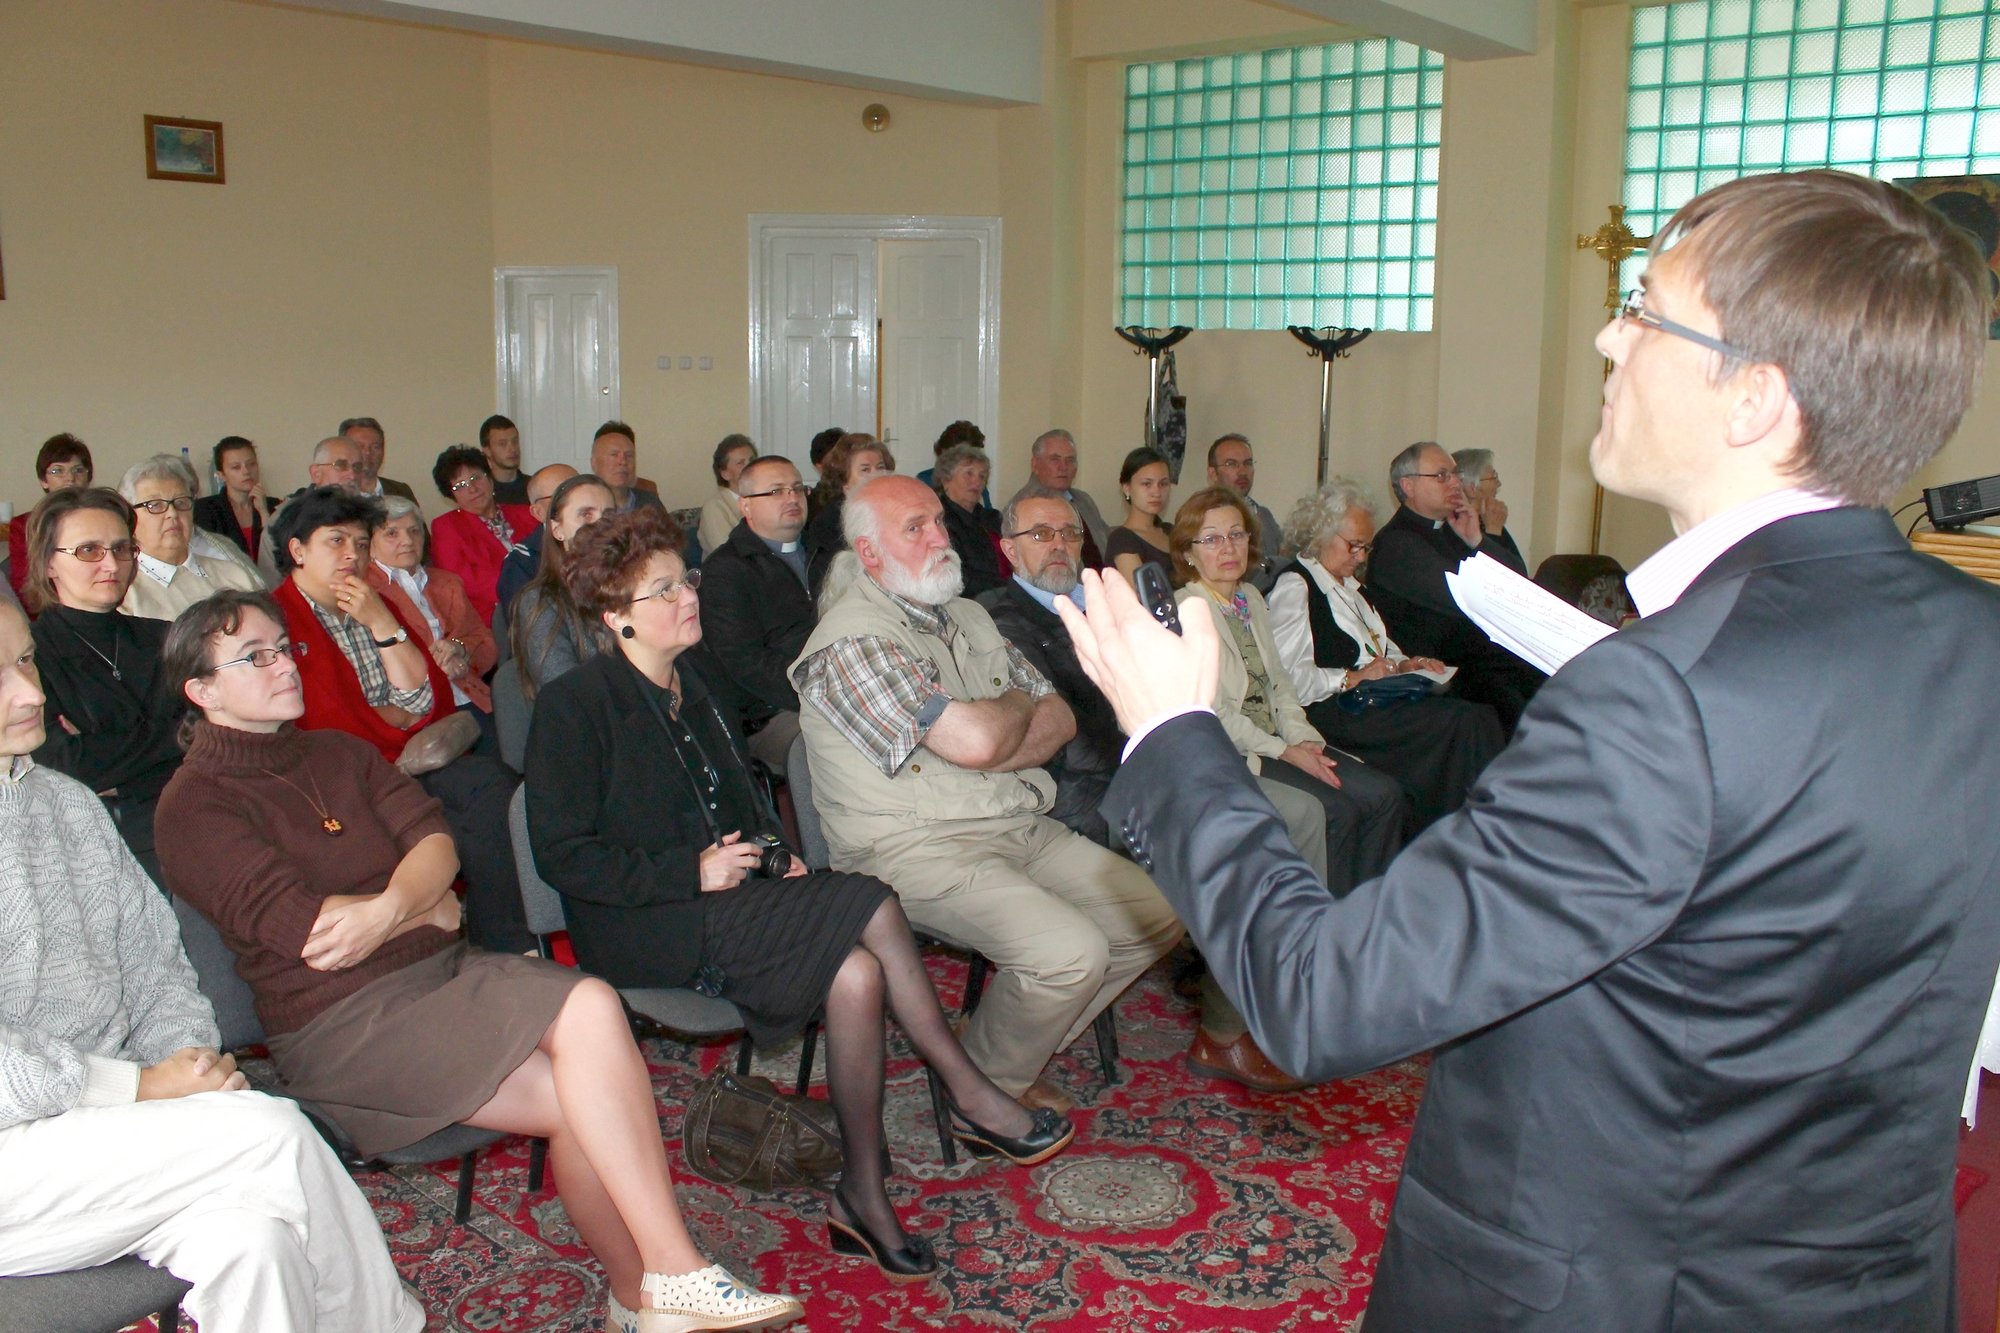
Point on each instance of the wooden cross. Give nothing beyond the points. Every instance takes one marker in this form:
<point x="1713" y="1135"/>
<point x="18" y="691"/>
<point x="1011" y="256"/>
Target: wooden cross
<point x="1614" y="243"/>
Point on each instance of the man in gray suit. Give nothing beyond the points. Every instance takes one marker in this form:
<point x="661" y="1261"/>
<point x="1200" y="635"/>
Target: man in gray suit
<point x="1705" y="956"/>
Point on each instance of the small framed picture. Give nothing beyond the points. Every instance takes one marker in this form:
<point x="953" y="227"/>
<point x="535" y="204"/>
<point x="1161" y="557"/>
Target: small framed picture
<point x="184" y="150"/>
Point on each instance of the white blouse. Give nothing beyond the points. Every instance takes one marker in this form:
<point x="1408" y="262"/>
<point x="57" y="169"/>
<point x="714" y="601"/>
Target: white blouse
<point x="1291" y="627"/>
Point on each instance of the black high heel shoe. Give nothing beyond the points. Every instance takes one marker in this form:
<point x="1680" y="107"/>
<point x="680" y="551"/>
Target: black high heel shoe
<point x="1049" y="1132"/>
<point x="916" y="1261"/>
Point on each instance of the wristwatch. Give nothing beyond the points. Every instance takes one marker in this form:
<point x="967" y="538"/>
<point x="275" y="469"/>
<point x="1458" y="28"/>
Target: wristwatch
<point x="400" y="636"/>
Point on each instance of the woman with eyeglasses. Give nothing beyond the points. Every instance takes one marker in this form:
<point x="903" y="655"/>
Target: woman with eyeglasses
<point x="1359" y="690"/>
<point x="974" y="526"/>
<point x="1362" y="812"/>
<point x="110" y="723"/>
<point x="475" y="535"/>
<point x="178" y="563"/>
<point x="643" y="813"/>
<point x="328" y="873"/>
<point x="1143" y="538"/>
<point x="62" y="463"/>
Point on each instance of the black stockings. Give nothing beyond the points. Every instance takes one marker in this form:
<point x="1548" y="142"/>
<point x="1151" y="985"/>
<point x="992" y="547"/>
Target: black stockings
<point x="886" y="966"/>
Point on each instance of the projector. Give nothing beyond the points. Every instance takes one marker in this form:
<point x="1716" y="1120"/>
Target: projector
<point x="1962" y="502"/>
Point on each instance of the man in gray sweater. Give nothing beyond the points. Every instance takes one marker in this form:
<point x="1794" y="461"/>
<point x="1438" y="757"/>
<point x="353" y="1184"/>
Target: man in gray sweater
<point x="122" y="1129"/>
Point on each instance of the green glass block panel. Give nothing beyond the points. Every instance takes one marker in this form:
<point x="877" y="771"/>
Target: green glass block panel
<point x="1814" y="52"/>
<point x="1722" y="147"/>
<point x="1959" y="39"/>
<point x="1853" y="144"/>
<point x="1338" y="99"/>
<point x="1685" y="63"/>
<point x="1864" y="11"/>
<point x="1908" y="46"/>
<point x="1947" y="134"/>
<point x="1764" y="148"/>
<point x="1857" y="95"/>
<point x="1986" y="136"/>
<point x="1806" y="144"/>
<point x="1816" y="14"/>
<point x="1649" y="26"/>
<point x="1812" y="98"/>
<point x="1687" y="23"/>
<point x="1649" y="66"/>
<point x="1643" y="107"/>
<point x="1770" y="57"/>
<point x="1724" y="104"/>
<point x="1728" y="60"/>
<point x="1680" y="148"/>
<point x="1398" y="241"/>
<point x="1860" y="49"/>
<point x="1427" y="170"/>
<point x="1772" y="16"/>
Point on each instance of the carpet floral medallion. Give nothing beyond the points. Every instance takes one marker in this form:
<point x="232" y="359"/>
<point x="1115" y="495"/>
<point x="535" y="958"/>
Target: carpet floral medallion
<point x="1184" y="1204"/>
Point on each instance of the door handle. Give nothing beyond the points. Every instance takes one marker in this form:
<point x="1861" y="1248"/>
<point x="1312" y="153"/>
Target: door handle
<point x="605" y="390"/>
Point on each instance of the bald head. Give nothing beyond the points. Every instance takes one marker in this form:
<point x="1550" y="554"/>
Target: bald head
<point x="336" y="461"/>
<point x="896" y="526"/>
<point x="542" y="487"/>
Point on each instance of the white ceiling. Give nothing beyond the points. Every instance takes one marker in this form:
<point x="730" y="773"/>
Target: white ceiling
<point x="982" y="51"/>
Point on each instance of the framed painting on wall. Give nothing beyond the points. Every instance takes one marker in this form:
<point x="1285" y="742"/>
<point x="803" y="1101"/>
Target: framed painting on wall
<point x="1972" y="204"/>
<point x="184" y="150"/>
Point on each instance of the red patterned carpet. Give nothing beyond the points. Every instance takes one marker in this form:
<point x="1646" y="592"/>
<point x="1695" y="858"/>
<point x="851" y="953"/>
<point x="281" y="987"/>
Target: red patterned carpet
<point x="1185" y="1204"/>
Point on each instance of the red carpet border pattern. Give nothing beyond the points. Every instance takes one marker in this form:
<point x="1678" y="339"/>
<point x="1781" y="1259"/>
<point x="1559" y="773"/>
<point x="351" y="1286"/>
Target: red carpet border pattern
<point x="1185" y="1204"/>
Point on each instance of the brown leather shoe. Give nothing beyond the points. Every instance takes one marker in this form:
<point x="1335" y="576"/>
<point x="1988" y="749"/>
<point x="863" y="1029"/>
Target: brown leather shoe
<point x="1240" y="1062"/>
<point x="1042" y="1093"/>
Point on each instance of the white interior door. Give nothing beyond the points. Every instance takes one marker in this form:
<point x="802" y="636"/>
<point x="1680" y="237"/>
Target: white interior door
<point x="819" y="325"/>
<point x="932" y="343"/>
<point x="556" y="358"/>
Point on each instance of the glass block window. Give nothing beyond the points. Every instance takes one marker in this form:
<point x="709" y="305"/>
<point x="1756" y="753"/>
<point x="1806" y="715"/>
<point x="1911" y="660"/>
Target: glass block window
<point x="1885" y="88"/>
<point x="1295" y="186"/>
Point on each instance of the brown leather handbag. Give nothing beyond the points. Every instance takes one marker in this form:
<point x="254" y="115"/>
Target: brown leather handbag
<point x="741" y="1130"/>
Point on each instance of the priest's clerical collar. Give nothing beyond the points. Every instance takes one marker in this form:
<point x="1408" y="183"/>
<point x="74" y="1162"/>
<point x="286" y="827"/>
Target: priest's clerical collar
<point x="782" y="548"/>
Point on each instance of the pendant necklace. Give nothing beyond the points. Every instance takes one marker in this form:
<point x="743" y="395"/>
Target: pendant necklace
<point x="111" y="661"/>
<point x="334" y="828"/>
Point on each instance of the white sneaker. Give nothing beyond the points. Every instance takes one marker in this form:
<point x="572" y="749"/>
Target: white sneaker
<point x="708" y="1298"/>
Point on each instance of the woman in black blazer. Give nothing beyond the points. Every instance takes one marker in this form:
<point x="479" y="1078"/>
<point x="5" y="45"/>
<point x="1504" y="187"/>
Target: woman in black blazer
<point x="643" y="814"/>
<point x="237" y="511"/>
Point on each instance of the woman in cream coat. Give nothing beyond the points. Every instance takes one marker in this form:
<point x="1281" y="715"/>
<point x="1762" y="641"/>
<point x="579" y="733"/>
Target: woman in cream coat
<point x="1360" y="812"/>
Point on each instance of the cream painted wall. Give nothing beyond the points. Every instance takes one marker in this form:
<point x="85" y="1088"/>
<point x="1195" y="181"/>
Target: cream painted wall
<point x="344" y="269"/>
<point x="654" y="167"/>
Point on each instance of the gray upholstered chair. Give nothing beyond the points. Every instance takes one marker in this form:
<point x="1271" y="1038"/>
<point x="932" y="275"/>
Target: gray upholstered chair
<point x="103" y="1299"/>
<point x="236" y="1015"/>
<point x="512" y="714"/>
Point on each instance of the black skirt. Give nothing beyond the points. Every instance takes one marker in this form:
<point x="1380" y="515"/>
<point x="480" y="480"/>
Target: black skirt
<point x="1436" y="747"/>
<point x="778" y="943"/>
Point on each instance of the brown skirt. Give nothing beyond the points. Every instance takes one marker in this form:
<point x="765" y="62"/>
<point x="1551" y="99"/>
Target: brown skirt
<point x="424" y="1047"/>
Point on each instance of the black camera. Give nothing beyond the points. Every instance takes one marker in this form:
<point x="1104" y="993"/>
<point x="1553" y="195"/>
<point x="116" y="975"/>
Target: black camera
<point x="776" y="862"/>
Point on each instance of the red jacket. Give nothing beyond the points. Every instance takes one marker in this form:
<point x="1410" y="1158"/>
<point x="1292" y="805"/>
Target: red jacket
<point x="447" y="595"/>
<point x="463" y="544"/>
<point x="333" y="690"/>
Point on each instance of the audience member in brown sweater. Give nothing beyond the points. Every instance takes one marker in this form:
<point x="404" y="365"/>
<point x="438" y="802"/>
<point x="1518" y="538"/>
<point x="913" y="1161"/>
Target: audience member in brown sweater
<point x="329" y="872"/>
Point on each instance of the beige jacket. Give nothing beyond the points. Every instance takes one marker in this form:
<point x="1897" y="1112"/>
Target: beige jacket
<point x="1254" y="743"/>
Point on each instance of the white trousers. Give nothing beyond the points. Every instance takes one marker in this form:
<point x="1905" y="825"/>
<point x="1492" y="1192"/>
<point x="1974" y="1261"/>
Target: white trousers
<point x="231" y="1191"/>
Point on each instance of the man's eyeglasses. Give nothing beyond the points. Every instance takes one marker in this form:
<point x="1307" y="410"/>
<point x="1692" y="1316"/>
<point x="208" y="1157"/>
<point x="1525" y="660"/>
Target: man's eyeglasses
<point x="671" y="590"/>
<point x="470" y="482"/>
<point x="1635" y="310"/>
<point x="93" y="552"/>
<point x="179" y="504"/>
<point x="1042" y="534"/>
<point x="794" y="491"/>
<point x="263" y="657"/>
<point x="1215" y="540"/>
<point x="1434" y="476"/>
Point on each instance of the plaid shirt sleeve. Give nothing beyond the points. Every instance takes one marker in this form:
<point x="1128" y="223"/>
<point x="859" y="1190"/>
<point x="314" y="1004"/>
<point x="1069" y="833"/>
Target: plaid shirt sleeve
<point x="874" y="694"/>
<point x="877" y="696"/>
<point x="358" y="647"/>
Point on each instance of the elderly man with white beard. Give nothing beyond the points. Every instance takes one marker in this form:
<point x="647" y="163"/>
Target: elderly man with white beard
<point x="926" y="731"/>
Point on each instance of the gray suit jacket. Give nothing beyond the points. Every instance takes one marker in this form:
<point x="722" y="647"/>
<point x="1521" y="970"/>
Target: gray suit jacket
<point x="1704" y="958"/>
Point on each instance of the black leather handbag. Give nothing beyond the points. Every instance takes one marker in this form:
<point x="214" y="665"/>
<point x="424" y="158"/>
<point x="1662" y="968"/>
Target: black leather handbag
<point x="741" y="1130"/>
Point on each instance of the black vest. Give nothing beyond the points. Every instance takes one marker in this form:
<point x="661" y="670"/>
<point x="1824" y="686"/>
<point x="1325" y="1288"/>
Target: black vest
<point x="1333" y="647"/>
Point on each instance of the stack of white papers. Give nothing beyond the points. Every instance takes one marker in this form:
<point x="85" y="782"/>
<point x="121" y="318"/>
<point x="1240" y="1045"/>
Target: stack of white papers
<point x="1527" y="620"/>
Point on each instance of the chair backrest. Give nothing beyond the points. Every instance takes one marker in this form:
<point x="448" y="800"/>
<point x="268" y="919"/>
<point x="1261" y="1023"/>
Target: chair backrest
<point x="215" y="972"/>
<point x="1594" y="584"/>
<point x="499" y="627"/>
<point x="512" y="714"/>
<point x="541" y="905"/>
<point x="798" y="776"/>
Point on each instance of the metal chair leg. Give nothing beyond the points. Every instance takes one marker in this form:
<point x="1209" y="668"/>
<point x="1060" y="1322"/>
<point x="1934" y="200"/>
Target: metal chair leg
<point x="807" y="1042"/>
<point x="947" y="1146"/>
<point x="169" y="1318"/>
<point x="538" y="1160"/>
<point x="743" y="1055"/>
<point x="466" y="1165"/>
<point x="975" y="984"/>
<point x="1106" y="1027"/>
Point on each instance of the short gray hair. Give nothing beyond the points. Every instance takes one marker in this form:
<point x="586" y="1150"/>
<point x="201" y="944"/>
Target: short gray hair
<point x="1472" y="465"/>
<point x="160" y="467"/>
<point x="1318" y="516"/>
<point x="319" y="458"/>
<point x="959" y="456"/>
<point x="1407" y="464"/>
<point x="398" y="506"/>
<point x="1010" y="518"/>
<point x="1035" y="451"/>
